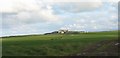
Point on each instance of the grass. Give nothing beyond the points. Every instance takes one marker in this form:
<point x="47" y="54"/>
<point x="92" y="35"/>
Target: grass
<point x="55" y="45"/>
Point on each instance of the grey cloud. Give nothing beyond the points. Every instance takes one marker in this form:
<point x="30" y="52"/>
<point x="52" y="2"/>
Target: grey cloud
<point x="78" y="6"/>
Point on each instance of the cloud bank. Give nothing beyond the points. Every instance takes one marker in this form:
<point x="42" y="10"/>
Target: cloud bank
<point x="40" y="16"/>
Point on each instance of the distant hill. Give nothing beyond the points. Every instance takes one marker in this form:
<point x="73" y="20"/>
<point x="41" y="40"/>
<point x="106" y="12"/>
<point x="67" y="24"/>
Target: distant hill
<point x="63" y="32"/>
<point x="66" y="32"/>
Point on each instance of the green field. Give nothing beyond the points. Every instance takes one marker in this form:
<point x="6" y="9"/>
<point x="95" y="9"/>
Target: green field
<point x="92" y="43"/>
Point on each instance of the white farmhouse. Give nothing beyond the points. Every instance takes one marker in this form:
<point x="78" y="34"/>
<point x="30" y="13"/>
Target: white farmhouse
<point x="62" y="31"/>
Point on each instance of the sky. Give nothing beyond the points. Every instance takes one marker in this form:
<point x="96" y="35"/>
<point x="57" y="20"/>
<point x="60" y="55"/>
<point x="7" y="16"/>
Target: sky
<point x="20" y="17"/>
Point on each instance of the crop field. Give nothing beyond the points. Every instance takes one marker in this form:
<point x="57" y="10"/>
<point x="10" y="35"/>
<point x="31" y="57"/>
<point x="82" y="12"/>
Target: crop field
<point x="83" y="44"/>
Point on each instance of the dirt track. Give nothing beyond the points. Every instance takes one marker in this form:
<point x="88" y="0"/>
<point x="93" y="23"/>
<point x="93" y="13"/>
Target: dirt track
<point x="110" y="49"/>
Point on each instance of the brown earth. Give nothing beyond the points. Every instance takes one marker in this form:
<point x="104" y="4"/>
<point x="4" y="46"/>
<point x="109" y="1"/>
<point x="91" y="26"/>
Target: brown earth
<point x="102" y="48"/>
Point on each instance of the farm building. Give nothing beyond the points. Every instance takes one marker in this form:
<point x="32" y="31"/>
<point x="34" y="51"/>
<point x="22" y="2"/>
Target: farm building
<point x="62" y="31"/>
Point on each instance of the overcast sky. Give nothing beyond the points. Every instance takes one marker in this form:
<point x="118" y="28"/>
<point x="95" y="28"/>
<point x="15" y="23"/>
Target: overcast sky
<point x="41" y="16"/>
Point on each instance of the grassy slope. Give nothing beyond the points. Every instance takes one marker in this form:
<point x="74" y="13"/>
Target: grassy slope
<point x="71" y="44"/>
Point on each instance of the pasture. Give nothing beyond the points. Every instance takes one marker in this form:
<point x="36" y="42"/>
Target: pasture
<point x="83" y="44"/>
